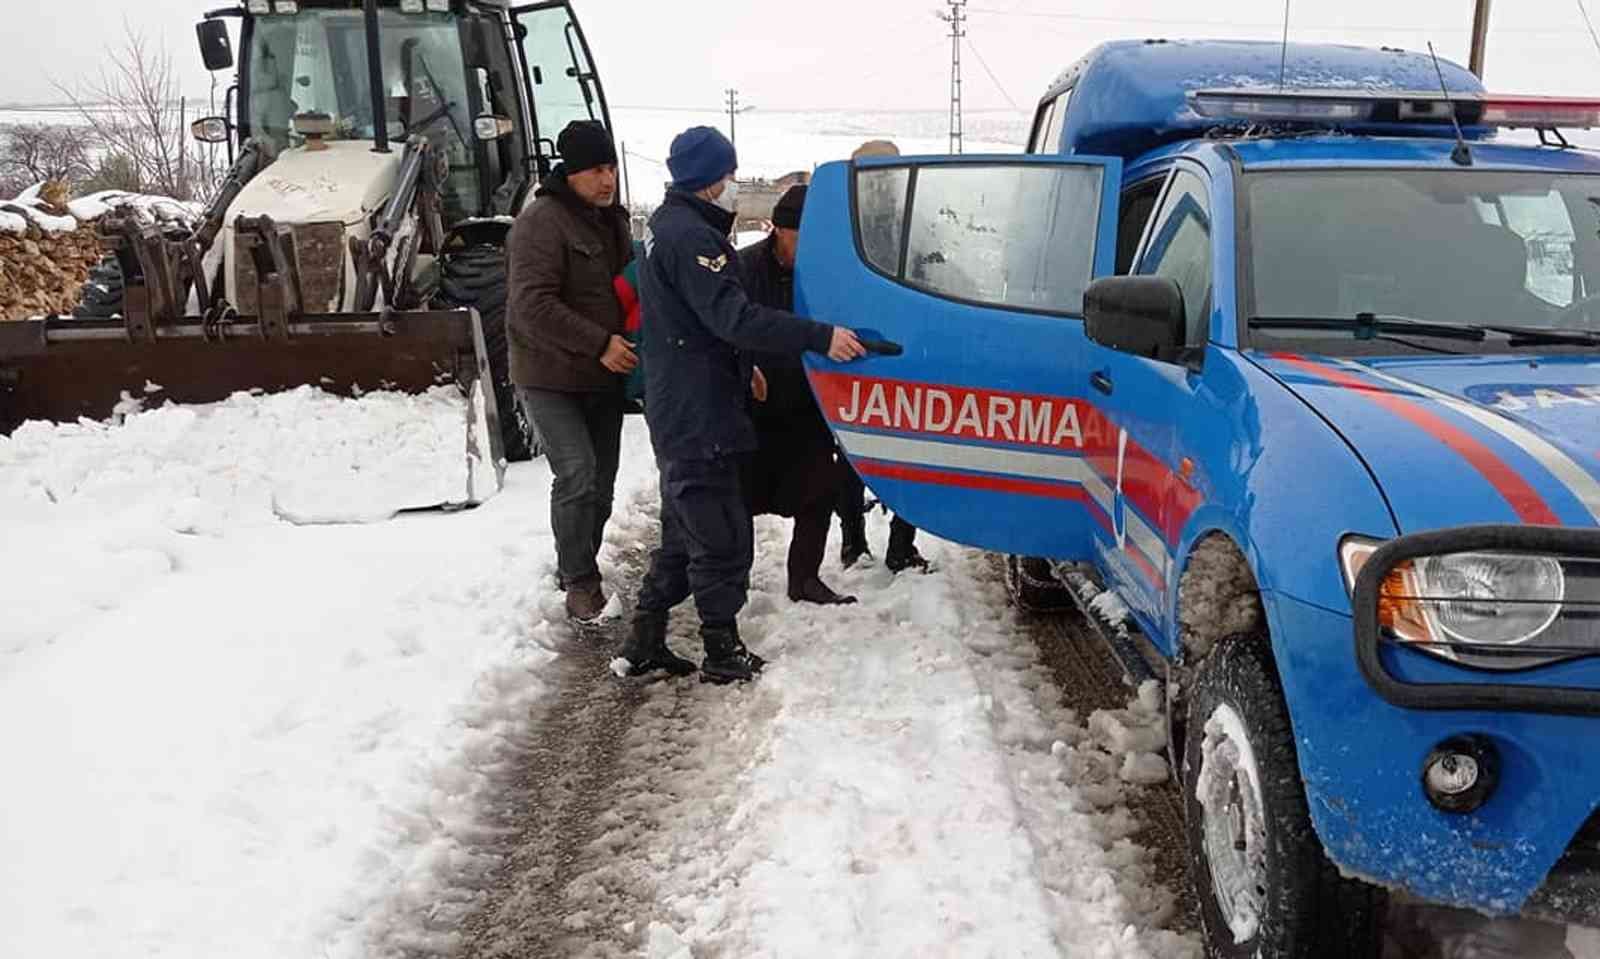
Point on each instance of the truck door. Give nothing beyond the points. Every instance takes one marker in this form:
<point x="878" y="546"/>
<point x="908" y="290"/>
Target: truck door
<point x="979" y="431"/>
<point x="559" y="73"/>
<point x="1144" y="401"/>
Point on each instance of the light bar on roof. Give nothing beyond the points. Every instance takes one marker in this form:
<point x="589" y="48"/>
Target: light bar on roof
<point x="1327" y="106"/>
<point x="1540" y="112"/>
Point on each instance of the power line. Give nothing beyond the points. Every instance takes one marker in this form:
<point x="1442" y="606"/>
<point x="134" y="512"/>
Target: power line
<point x="1262" y="25"/>
<point x="997" y="84"/>
<point x="1590" y="24"/>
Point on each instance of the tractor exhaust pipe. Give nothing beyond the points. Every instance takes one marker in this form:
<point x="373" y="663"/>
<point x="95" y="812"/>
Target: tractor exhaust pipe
<point x="380" y="115"/>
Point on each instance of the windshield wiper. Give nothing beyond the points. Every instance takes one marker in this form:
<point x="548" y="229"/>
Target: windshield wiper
<point x="1367" y="326"/>
<point x="1546" y="335"/>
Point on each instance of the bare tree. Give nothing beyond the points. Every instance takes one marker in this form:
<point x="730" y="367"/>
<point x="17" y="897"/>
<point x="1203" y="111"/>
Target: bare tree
<point x="135" y="110"/>
<point x="33" y="152"/>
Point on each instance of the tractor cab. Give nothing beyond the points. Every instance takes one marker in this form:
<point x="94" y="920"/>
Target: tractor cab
<point x="489" y="86"/>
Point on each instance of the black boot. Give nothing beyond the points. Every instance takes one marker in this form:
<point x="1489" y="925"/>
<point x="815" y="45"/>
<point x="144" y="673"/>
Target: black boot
<point x="646" y="648"/>
<point x="853" y="528"/>
<point x="902" y="552"/>
<point x="727" y="661"/>
<point x="814" y="590"/>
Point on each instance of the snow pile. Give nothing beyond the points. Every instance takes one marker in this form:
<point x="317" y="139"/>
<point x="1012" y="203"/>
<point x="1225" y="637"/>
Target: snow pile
<point x="98" y="511"/>
<point x="235" y="738"/>
<point x="144" y="207"/>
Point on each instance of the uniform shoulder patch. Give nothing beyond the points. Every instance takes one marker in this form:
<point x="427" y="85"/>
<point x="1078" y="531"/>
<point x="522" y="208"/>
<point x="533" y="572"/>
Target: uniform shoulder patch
<point x="714" y="265"/>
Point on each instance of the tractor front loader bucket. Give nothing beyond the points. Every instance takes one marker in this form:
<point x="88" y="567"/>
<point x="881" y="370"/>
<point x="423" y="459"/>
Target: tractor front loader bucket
<point x="61" y="370"/>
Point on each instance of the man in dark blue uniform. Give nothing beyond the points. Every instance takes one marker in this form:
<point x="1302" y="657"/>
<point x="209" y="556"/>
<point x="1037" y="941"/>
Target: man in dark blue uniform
<point x="700" y="326"/>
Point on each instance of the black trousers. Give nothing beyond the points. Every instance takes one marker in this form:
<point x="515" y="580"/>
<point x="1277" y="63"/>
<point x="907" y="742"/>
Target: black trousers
<point x="794" y="475"/>
<point x="582" y="435"/>
<point x="852" y="502"/>
<point x="707" y="542"/>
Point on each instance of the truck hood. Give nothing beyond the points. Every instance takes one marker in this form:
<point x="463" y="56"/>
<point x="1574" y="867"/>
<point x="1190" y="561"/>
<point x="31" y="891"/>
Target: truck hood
<point x="1458" y="440"/>
<point x="341" y="184"/>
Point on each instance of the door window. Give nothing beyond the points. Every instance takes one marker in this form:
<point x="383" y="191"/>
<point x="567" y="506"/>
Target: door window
<point x="562" y="80"/>
<point x="881" y="215"/>
<point x="1138" y="202"/>
<point x="1180" y="249"/>
<point x="1012" y="236"/>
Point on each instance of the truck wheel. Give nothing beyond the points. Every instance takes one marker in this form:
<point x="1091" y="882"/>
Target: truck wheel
<point x="1266" y="889"/>
<point x="1034" y="588"/>
<point x="101" y="296"/>
<point x="475" y="276"/>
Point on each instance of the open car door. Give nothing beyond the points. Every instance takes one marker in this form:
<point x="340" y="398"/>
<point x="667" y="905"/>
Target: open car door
<point x="978" y="430"/>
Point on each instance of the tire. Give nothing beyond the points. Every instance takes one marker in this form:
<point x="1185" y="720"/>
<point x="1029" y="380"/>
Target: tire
<point x="1034" y="588"/>
<point x="475" y="276"/>
<point x="1280" y="897"/>
<point x="101" y="295"/>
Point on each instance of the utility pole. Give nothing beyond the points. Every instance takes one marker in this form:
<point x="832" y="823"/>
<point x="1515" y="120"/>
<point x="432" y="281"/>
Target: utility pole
<point x="957" y="18"/>
<point x="1480" y="37"/>
<point x="733" y="110"/>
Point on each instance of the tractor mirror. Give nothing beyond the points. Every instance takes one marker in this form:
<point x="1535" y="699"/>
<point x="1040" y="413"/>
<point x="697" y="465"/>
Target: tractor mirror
<point x="216" y="51"/>
<point x="210" y="129"/>
<point x="489" y="127"/>
<point x="1142" y="315"/>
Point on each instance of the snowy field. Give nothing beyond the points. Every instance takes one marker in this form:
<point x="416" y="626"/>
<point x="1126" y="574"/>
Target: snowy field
<point x="771" y="143"/>
<point x="228" y="734"/>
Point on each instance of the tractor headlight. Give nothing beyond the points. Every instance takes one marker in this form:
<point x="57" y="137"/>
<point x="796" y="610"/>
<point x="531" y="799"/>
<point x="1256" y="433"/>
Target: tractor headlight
<point x="259" y="8"/>
<point x="1489" y="609"/>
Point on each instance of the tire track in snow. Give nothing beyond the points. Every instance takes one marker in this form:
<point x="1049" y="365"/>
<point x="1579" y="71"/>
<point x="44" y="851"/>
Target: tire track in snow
<point x="595" y="800"/>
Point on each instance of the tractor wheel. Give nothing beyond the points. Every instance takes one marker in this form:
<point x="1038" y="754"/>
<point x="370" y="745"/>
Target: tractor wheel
<point x="101" y="297"/>
<point x="475" y="276"/>
<point x="1266" y="889"/>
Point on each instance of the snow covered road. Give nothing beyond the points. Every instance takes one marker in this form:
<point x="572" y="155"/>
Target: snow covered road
<point x="226" y="735"/>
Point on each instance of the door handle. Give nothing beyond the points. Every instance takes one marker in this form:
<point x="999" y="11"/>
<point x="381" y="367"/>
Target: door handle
<point x="881" y="347"/>
<point x="1101" y="380"/>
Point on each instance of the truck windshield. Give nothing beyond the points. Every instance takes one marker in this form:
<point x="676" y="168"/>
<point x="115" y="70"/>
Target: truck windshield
<point x="315" y="61"/>
<point x="1479" y="248"/>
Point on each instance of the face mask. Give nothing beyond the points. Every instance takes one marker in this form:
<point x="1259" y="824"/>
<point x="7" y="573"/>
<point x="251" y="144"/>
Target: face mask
<point x="729" y="196"/>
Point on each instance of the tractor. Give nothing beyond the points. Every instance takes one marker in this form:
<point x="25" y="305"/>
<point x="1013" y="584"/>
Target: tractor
<point x="378" y="151"/>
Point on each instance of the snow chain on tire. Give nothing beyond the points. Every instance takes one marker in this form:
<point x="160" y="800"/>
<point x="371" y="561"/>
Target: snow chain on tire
<point x="1308" y="910"/>
<point x="475" y="276"/>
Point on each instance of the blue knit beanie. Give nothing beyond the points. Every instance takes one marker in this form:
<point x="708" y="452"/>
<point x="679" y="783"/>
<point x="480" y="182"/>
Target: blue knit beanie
<point x="700" y="157"/>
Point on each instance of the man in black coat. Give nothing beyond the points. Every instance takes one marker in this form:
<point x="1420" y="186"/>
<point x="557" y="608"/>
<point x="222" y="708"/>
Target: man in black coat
<point x="697" y="395"/>
<point x="794" y="472"/>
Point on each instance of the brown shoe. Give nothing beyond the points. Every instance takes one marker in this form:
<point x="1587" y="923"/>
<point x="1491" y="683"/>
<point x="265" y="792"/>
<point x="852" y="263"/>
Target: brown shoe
<point x="586" y="604"/>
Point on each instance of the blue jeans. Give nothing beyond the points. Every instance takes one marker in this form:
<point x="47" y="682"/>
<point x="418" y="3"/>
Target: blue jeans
<point x="582" y="435"/>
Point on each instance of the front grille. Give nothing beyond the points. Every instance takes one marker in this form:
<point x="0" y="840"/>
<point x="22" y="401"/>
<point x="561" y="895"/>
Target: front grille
<point x="318" y="259"/>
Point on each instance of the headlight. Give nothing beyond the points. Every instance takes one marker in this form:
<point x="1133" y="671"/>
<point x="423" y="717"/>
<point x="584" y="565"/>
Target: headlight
<point x="1448" y="604"/>
<point x="1492" y="598"/>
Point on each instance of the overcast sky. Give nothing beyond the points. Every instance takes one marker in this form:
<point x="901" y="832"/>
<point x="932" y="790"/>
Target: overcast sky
<point x="873" y="54"/>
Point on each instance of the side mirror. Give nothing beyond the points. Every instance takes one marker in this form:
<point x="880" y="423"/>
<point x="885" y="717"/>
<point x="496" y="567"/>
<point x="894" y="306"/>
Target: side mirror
<point x="216" y="50"/>
<point x="1142" y="315"/>
<point x="210" y="129"/>
<point x="487" y="127"/>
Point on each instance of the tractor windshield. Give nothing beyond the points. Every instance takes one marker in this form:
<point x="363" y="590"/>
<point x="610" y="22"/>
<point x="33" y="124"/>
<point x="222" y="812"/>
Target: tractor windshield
<point x="315" y="61"/>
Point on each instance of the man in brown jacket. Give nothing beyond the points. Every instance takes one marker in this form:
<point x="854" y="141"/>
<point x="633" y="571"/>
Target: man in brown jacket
<point x="568" y="354"/>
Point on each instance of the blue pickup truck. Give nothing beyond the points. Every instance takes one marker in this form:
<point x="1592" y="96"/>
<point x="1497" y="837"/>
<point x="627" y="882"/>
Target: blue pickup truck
<point x="1297" y="354"/>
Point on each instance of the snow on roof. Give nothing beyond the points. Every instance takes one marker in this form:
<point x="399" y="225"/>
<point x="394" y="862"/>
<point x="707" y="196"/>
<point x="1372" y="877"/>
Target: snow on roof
<point x="29" y="208"/>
